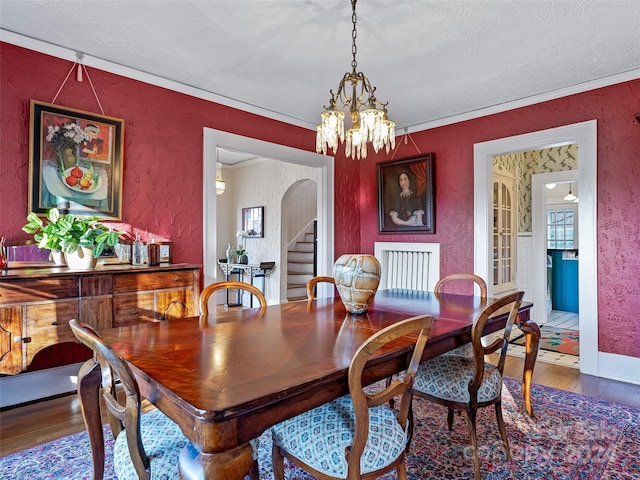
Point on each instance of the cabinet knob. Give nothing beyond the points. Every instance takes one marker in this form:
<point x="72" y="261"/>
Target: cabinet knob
<point x="54" y="323"/>
<point x="176" y="279"/>
<point x="135" y="312"/>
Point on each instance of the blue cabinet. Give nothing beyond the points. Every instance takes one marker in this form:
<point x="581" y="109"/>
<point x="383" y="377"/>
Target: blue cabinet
<point x="564" y="280"/>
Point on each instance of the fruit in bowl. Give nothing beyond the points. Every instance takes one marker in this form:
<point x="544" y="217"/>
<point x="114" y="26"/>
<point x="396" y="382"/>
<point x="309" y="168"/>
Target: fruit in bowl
<point x="80" y="179"/>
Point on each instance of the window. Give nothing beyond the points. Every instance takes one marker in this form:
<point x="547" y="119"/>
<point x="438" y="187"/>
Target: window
<point x="562" y="228"/>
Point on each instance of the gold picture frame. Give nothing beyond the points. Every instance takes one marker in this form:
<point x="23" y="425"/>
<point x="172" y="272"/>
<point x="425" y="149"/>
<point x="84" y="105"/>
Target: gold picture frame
<point x="166" y="252"/>
<point x="406" y="198"/>
<point x="75" y="161"/>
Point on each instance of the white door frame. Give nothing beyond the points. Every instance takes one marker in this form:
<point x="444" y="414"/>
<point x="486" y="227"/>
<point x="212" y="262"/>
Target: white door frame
<point x="214" y="139"/>
<point x="583" y="134"/>
<point x="539" y="237"/>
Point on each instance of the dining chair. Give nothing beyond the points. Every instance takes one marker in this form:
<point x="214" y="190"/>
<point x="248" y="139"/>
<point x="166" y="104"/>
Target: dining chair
<point x="440" y="285"/>
<point x="358" y="435"/>
<point x="209" y="289"/>
<point x="146" y="445"/>
<point x="466" y="384"/>
<point x="465" y="350"/>
<point x="311" y="285"/>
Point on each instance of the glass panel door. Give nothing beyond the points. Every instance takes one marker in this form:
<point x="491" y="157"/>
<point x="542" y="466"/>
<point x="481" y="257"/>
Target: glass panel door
<point x="504" y="230"/>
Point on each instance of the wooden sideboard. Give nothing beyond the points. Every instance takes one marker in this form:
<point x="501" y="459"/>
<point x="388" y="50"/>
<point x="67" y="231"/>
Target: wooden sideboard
<point x="36" y="304"/>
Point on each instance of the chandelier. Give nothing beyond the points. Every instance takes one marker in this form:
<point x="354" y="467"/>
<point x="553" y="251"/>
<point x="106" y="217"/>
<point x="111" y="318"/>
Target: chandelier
<point x="369" y="122"/>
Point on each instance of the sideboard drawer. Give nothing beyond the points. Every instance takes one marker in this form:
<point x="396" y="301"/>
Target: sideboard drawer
<point x="42" y="289"/>
<point x="48" y="324"/>
<point x="135" y="282"/>
<point x="132" y="309"/>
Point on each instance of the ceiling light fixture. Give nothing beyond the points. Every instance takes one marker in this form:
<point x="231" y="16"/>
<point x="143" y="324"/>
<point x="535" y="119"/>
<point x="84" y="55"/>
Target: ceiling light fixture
<point x="570" y="196"/>
<point x="550" y="186"/>
<point x="220" y="185"/>
<point x="369" y="123"/>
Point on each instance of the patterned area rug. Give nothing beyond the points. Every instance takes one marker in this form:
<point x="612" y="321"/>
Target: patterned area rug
<point x="571" y="437"/>
<point x="556" y="340"/>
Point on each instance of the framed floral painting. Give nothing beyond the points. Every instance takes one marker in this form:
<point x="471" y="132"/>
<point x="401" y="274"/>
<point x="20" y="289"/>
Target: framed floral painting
<point x="406" y="196"/>
<point x="75" y="161"/>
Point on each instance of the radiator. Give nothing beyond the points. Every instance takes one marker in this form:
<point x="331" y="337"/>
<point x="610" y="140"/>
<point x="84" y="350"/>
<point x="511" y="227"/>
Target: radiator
<point x="413" y="266"/>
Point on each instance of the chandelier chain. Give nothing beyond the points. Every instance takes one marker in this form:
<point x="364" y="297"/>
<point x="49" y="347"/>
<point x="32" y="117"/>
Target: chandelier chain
<point x="354" y="35"/>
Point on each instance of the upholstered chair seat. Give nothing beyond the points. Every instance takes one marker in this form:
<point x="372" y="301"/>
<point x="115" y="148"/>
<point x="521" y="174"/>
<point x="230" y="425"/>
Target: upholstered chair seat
<point x="320" y="437"/>
<point x="447" y="377"/>
<point x="162" y="440"/>
<point x="465" y="350"/>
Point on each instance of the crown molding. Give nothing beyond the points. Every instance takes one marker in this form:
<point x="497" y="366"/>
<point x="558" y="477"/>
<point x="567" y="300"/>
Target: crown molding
<point x="89" y="61"/>
<point x="118" y="69"/>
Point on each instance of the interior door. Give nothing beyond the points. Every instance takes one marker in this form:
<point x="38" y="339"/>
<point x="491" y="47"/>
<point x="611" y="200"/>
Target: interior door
<point x="504" y="228"/>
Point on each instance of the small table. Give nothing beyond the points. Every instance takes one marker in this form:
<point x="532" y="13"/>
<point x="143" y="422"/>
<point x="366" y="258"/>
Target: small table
<point x="252" y="270"/>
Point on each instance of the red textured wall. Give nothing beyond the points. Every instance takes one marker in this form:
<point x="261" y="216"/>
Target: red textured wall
<point x="162" y="178"/>
<point x="618" y="187"/>
<point x="163" y="168"/>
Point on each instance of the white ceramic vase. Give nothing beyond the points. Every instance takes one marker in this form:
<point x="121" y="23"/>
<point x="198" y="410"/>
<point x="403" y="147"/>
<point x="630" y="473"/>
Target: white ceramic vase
<point x="57" y="257"/>
<point x="357" y="277"/>
<point x="81" y="259"/>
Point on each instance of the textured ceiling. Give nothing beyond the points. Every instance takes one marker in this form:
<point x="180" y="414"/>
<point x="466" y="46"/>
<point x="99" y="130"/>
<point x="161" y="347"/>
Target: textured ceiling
<point x="430" y="60"/>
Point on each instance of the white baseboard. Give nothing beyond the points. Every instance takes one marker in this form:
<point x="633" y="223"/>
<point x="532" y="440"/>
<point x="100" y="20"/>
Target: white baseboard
<point x="616" y="367"/>
<point x="30" y="386"/>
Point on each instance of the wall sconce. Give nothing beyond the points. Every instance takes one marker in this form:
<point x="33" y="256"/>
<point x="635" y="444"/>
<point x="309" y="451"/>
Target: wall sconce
<point x="220" y="185"/>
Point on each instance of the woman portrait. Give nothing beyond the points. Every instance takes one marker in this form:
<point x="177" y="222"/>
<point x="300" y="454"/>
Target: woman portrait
<point x="407" y="207"/>
<point x="405" y="195"/>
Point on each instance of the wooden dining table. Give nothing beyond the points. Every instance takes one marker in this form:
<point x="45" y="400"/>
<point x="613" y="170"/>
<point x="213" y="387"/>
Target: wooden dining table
<point x="226" y="378"/>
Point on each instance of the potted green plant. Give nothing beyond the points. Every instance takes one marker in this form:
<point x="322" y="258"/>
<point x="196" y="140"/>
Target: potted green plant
<point x="241" y="255"/>
<point x="81" y="239"/>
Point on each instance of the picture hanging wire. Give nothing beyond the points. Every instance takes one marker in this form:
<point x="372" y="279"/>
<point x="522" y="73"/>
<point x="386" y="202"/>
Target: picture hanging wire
<point x="405" y="137"/>
<point x="80" y="67"/>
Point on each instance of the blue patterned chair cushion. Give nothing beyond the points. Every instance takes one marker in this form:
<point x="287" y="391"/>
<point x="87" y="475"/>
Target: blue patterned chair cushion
<point x="162" y="440"/>
<point x="448" y="377"/>
<point x="319" y="437"/>
<point x="465" y="350"/>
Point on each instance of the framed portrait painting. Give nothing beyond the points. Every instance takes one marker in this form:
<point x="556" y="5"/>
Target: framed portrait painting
<point x="75" y="162"/>
<point x="406" y="196"/>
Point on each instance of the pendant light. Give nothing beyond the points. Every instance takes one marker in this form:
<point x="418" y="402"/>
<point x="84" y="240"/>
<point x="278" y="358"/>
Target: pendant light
<point x="220" y="185"/>
<point x="570" y="197"/>
<point x="369" y="119"/>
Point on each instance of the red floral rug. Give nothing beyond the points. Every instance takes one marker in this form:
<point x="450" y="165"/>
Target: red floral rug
<point x="571" y="437"/>
<point x="556" y="339"/>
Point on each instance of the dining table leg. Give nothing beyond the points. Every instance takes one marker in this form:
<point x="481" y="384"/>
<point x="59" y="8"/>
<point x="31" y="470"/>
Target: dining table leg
<point x="233" y="464"/>
<point x="531" y="331"/>
<point x="89" y="383"/>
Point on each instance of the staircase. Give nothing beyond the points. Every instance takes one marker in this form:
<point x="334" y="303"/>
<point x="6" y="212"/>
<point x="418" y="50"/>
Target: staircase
<point x="300" y="267"/>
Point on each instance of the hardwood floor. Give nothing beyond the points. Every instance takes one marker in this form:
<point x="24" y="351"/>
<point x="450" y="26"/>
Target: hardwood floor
<point x="26" y="426"/>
